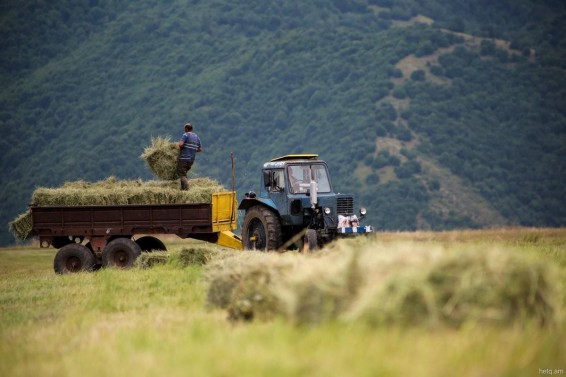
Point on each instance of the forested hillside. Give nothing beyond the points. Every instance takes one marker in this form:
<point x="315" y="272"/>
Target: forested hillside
<point x="436" y="115"/>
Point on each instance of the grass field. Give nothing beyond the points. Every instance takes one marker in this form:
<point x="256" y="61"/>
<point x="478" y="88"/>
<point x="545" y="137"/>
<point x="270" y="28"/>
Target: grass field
<point x="155" y="322"/>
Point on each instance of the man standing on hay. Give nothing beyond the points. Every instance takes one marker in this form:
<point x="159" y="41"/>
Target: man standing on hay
<point x="189" y="144"/>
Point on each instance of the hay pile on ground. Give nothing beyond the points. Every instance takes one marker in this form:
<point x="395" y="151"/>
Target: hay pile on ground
<point x="409" y="286"/>
<point x="112" y="191"/>
<point x="246" y="284"/>
<point x="161" y="157"/>
<point x="154" y="258"/>
<point x="196" y="256"/>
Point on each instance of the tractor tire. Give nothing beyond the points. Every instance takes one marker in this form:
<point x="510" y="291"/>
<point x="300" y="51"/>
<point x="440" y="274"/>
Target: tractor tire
<point x="311" y="243"/>
<point x="73" y="258"/>
<point x="261" y="229"/>
<point x="149" y="243"/>
<point x="121" y="253"/>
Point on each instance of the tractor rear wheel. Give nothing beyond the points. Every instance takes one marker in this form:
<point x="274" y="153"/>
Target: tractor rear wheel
<point x="121" y="253"/>
<point x="73" y="258"/>
<point x="261" y="229"/>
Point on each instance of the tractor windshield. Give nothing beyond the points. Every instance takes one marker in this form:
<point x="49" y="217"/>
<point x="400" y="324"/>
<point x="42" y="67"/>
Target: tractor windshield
<point x="300" y="177"/>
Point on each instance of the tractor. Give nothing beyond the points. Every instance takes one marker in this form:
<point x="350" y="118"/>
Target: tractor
<point x="297" y="207"/>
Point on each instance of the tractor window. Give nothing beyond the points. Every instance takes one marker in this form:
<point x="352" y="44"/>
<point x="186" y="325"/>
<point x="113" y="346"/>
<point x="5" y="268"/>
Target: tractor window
<point x="321" y="178"/>
<point x="278" y="180"/>
<point x="300" y="177"/>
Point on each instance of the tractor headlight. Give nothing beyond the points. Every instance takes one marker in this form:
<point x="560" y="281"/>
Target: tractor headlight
<point x="363" y="211"/>
<point x="327" y="210"/>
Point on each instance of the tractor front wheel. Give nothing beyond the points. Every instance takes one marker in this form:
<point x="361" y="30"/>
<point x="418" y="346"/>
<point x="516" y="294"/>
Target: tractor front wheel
<point x="261" y="229"/>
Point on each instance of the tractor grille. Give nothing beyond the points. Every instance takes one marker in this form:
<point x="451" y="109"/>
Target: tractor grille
<point x="345" y="205"/>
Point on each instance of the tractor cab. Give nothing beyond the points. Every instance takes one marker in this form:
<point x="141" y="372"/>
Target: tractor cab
<point x="296" y="191"/>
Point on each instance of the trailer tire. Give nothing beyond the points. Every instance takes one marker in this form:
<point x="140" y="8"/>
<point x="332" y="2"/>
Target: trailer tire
<point x="73" y="258"/>
<point x="121" y="253"/>
<point x="149" y="243"/>
<point x="311" y="243"/>
<point x="262" y="224"/>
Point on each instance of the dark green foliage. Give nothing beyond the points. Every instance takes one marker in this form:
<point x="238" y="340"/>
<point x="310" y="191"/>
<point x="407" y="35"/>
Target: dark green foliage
<point x="408" y="169"/>
<point x="418" y="75"/>
<point x="399" y="203"/>
<point x="500" y="137"/>
<point x="86" y="84"/>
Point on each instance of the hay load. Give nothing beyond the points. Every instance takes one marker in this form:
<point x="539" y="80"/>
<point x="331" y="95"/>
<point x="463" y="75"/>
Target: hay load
<point x="112" y="191"/>
<point x="161" y="158"/>
<point x="407" y="285"/>
<point x="117" y="192"/>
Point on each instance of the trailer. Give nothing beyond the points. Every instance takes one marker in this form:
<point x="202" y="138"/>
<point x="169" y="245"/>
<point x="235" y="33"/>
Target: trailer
<point x="88" y="237"/>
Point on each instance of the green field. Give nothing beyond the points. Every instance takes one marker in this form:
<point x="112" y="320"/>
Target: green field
<point x="156" y="322"/>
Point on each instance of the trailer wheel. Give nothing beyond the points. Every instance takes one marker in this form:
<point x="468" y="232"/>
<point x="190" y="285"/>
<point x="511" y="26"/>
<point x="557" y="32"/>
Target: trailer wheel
<point x="121" y="253"/>
<point x="73" y="258"/>
<point x="261" y="229"/>
<point x="311" y="244"/>
<point x="149" y="243"/>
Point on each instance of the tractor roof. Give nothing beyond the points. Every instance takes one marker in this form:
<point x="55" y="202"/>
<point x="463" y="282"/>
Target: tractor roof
<point x="288" y="157"/>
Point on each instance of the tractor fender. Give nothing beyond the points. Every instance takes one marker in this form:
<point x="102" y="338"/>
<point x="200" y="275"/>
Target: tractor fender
<point x="250" y="202"/>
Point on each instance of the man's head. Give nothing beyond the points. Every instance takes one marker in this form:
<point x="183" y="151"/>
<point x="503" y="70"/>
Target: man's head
<point x="188" y="127"/>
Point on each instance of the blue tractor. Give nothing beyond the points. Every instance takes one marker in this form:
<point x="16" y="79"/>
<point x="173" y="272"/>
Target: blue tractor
<point x="297" y="207"/>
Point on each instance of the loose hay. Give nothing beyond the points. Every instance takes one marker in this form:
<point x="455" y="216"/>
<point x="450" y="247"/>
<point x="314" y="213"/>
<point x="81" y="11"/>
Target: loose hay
<point x="196" y="256"/>
<point x="161" y="157"/>
<point x="118" y="192"/>
<point x="412" y="285"/>
<point x="480" y="286"/>
<point x="112" y="191"/>
<point x="151" y="259"/>
<point x="21" y="226"/>
<point x="246" y="285"/>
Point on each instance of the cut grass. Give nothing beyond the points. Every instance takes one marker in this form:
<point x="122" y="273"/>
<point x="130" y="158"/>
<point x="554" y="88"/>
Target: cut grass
<point x="405" y="284"/>
<point x="155" y="322"/>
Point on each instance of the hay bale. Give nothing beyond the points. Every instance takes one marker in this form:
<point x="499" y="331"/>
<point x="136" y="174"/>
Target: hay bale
<point x="161" y="156"/>
<point x="21" y="226"/>
<point x="149" y="260"/>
